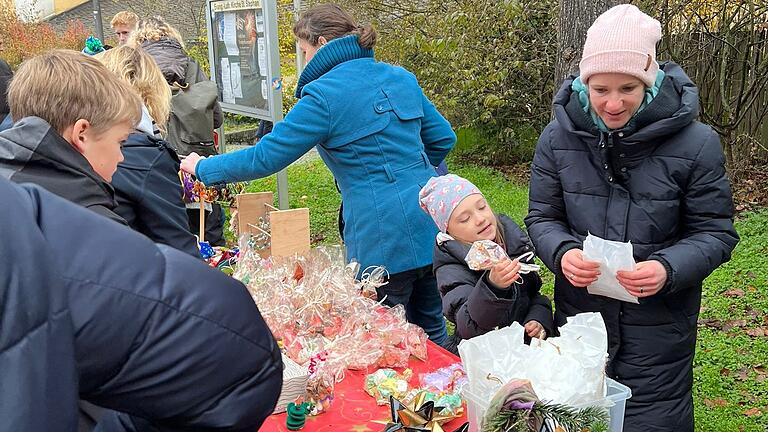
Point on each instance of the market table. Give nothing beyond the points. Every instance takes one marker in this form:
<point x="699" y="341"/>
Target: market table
<point x="353" y="410"/>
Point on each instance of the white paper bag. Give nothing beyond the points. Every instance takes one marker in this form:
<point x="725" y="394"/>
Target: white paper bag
<point x="569" y="369"/>
<point x="612" y="256"/>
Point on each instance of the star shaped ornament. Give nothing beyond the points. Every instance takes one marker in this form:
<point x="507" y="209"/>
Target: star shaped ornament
<point x="418" y="416"/>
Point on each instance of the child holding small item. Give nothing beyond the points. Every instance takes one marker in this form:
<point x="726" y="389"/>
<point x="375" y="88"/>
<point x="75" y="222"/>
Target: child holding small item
<point x="482" y="288"/>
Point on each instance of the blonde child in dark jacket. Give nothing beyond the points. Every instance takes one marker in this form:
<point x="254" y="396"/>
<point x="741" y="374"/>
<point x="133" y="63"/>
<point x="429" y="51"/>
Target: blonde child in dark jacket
<point x="480" y="301"/>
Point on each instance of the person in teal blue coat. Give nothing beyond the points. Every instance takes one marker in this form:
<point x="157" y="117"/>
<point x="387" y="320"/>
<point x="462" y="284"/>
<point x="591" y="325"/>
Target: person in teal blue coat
<point x="381" y="138"/>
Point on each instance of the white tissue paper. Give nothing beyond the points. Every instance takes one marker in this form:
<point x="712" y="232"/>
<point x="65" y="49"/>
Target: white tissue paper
<point x="569" y="369"/>
<point x="612" y="256"/>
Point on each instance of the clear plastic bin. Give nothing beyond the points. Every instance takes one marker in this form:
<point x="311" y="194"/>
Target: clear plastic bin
<point x="615" y="399"/>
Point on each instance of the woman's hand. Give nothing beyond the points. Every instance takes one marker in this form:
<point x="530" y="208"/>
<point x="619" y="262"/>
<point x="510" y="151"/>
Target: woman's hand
<point x="189" y="163"/>
<point x="504" y="274"/>
<point x="647" y="279"/>
<point x="534" y="329"/>
<point x="579" y="272"/>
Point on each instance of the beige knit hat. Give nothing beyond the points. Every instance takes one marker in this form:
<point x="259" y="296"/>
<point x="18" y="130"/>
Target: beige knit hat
<point x="622" y="40"/>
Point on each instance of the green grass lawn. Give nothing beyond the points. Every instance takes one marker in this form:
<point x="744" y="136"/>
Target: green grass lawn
<point x="731" y="365"/>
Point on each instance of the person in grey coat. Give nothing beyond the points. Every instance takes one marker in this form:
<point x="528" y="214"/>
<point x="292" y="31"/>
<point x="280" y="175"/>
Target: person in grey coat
<point x="626" y="160"/>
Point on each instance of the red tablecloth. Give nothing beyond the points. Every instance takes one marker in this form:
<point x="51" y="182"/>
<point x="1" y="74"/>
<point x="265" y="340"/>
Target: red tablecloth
<point x="353" y="409"/>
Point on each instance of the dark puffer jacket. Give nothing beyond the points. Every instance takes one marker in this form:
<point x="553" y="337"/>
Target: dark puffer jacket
<point x="148" y="192"/>
<point x="38" y="379"/>
<point x="88" y="306"/>
<point x="660" y="183"/>
<point x="475" y="306"/>
<point x="33" y="152"/>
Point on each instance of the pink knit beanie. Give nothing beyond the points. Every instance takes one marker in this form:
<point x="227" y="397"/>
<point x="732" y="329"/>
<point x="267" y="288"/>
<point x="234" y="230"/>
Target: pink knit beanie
<point x="622" y="40"/>
<point x="441" y="195"/>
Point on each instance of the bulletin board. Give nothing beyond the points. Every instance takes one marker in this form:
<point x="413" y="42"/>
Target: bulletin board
<point x="244" y="57"/>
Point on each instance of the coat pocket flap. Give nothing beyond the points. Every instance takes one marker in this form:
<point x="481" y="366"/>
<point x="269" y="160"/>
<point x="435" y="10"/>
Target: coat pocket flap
<point x="405" y="107"/>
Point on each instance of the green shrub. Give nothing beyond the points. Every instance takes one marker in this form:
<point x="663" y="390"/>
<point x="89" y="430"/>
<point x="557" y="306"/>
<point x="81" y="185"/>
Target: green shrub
<point x="488" y="65"/>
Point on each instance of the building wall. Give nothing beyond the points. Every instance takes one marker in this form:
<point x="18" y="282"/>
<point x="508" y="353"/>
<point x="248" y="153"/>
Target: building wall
<point x="34" y="9"/>
<point x="60" y="6"/>
<point x="186" y="15"/>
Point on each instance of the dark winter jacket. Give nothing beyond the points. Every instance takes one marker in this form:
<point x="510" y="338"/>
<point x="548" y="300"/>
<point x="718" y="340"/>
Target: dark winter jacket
<point x="148" y="192"/>
<point x="38" y="376"/>
<point x="172" y="60"/>
<point x="33" y="152"/>
<point x="659" y="183"/>
<point x="476" y="306"/>
<point x="90" y="309"/>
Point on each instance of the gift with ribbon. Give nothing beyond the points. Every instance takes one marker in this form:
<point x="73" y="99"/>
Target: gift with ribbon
<point x="418" y="415"/>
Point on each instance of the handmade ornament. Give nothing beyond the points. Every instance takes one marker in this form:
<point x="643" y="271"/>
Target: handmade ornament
<point x="228" y="193"/>
<point x="320" y="387"/>
<point x="297" y="416"/>
<point x="93" y="46"/>
<point x="385" y="383"/>
<point x="484" y="254"/>
<point x="419" y="415"/>
<point x="448" y="379"/>
<point x="262" y="239"/>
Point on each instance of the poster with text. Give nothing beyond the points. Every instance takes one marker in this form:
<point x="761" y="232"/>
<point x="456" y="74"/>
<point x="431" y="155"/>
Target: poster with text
<point x="240" y="52"/>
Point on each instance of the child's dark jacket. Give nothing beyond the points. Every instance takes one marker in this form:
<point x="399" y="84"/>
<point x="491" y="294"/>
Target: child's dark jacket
<point x="473" y="304"/>
<point x="33" y="152"/>
<point x="148" y="192"/>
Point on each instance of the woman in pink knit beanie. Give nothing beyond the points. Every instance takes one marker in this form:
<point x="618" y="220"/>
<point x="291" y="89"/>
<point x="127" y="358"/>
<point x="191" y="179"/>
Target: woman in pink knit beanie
<point x="626" y="159"/>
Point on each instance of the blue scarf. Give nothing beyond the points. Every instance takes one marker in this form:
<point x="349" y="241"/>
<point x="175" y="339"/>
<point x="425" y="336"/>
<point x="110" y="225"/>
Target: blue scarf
<point x="328" y="56"/>
<point x="583" y="93"/>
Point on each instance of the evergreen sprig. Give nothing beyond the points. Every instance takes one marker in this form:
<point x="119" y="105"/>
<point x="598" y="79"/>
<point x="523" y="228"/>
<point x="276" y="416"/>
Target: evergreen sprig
<point x="569" y="419"/>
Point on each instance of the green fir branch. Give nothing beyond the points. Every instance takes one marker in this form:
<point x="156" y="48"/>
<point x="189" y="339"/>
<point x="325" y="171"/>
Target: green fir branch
<point x="592" y="419"/>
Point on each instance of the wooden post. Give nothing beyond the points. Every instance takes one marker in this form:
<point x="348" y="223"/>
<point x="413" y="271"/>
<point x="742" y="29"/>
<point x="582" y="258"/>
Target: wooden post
<point x="202" y="218"/>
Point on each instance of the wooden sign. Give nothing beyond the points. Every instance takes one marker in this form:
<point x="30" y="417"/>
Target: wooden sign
<point x="288" y="230"/>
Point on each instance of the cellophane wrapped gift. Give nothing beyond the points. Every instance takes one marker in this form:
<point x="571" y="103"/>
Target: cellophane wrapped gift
<point x="387" y="382"/>
<point x="313" y="304"/>
<point x="569" y="369"/>
<point x="484" y="254"/>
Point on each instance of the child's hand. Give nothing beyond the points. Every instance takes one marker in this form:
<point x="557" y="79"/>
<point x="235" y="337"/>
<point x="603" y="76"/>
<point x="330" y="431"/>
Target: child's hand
<point x="504" y="273"/>
<point x="534" y="329"/>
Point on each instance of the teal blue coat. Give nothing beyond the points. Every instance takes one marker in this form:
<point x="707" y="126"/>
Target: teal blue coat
<point x="380" y="137"/>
